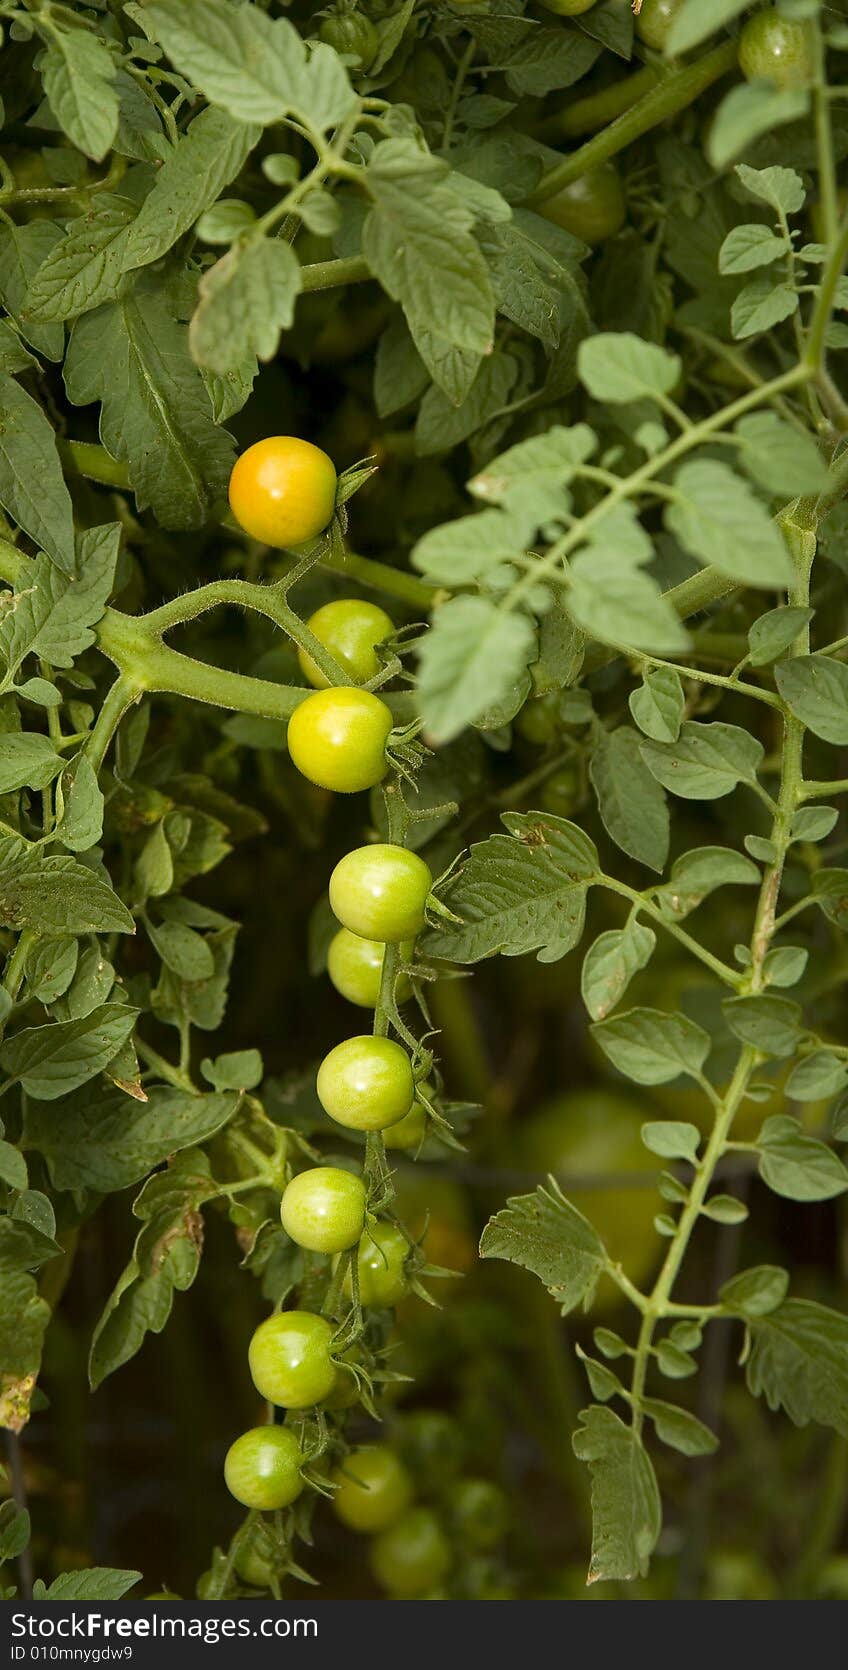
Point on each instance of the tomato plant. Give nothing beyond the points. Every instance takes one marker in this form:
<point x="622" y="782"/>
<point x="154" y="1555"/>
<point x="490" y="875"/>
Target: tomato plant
<point x="423" y="485"/>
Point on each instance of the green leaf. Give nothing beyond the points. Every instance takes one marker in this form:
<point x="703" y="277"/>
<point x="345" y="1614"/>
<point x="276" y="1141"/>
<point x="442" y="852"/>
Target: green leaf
<point x="51" y="1061"/>
<point x="27" y="758"/>
<point x="770" y="1024"/>
<point x="207" y="158"/>
<point x="183" y="951"/>
<point x="32" y="487"/>
<point x="417" y="239"/>
<point x="815" y="689"/>
<point x="95" y="1583"/>
<point x="55" y="895"/>
<point x="816" y="1076"/>
<point x="255" y="67"/>
<point x="755" y="1292"/>
<point x="246" y="300"/>
<point x="725" y="1209"/>
<point x="442" y="425"/>
<point x="238" y="1070"/>
<point x="652" y="1047"/>
<point x="619" y="604"/>
<point x="720" y="521"/>
<point x="799" y="1362"/>
<point x="672" y="1139"/>
<point x="536" y="469"/>
<point x="82" y="822"/>
<point x="798" y="1166"/>
<point x="24" y="1315"/>
<point x="813" y="823"/>
<point x="695" y="20"/>
<point x="762" y="305"/>
<point x="747" y="247"/>
<point x="53" y="612"/>
<point x="697" y="874"/>
<point x="830" y="891"/>
<point x="22" y="251"/>
<point x="618" y="366"/>
<point x="50" y="967"/>
<point x="659" y="704"/>
<point x="783" y="461"/>
<point x="544" y="1233"/>
<point x="85" y="267"/>
<point x="784" y="965"/>
<point x="548" y="59"/>
<point x="165" y="1260"/>
<point x="781" y="188"/>
<point x="775" y="632"/>
<point x="633" y="808"/>
<point x="13" y="1167"/>
<point x="706" y="762"/>
<point x="156" y="414"/>
<point x="626" y="1514"/>
<point x="106" y="1141"/>
<point x="746" y="113"/>
<point x="521" y="892"/>
<point x="610" y="964"/>
<point x="467" y="548"/>
<point x="78" y="72"/>
<point x="468" y="661"/>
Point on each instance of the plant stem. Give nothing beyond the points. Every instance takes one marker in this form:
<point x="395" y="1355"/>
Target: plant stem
<point x="674" y="93"/>
<point x="394" y="582"/>
<point x="328" y="275"/>
<point x="588" y="114"/>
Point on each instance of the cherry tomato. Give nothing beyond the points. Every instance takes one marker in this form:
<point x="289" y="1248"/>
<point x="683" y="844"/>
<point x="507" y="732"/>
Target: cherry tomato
<point x="591" y="208"/>
<point x="411" y="1556"/>
<point x="262" y="1468"/>
<point x="252" y="1564"/>
<point x="337" y="739"/>
<point x="567" y="8"/>
<point x="366" y="1083"/>
<point x="289" y="1359"/>
<point x="349" y="629"/>
<point x="380" y="892"/>
<point x="432" y="1444"/>
<point x="324" y="1209"/>
<point x="353" y="35"/>
<point x="373" y="1488"/>
<point x="538" y="720"/>
<point x="653" y="24"/>
<point x="355" y="967"/>
<point x="597" y="1133"/>
<point x="776" y="49"/>
<point x="283" y="490"/>
<point x="560" y="793"/>
<point x="381" y="1262"/>
<point x="479" y="1511"/>
<point x="409" y="1132"/>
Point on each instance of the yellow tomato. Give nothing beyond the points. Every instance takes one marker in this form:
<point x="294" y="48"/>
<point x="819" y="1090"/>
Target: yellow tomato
<point x="283" y="490"/>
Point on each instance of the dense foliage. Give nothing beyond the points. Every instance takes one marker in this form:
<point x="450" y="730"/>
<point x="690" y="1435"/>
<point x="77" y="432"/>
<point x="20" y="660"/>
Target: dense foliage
<point x="529" y="643"/>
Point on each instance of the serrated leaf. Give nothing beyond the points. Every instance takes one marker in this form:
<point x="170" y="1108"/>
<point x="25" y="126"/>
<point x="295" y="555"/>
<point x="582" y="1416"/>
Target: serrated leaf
<point x="694" y="22"/>
<point x="799" y="1362"/>
<point x="659" y="704"/>
<point x="626" y="1514"/>
<point x="84" y="268"/>
<point x="619" y="604"/>
<point x="762" y="305"/>
<point x="78" y="72"/>
<point x="521" y="892"/>
<point x="619" y="367"/>
<point x="720" y="521"/>
<point x="470" y="658"/>
<point x="747" y="112"/>
<point x="51" y="1061"/>
<point x="781" y="459"/>
<point x="610" y="964"/>
<point x="106" y="1141"/>
<point x="27" y="759"/>
<point x="544" y="1233"/>
<point x="246" y="300"/>
<point x="32" y="487"/>
<point x="747" y="247"/>
<point x="55" y="895"/>
<point x="95" y="1583"/>
<point x="653" y="1047"/>
<point x="209" y="155"/>
<point x="53" y="612"/>
<point x="782" y="188"/>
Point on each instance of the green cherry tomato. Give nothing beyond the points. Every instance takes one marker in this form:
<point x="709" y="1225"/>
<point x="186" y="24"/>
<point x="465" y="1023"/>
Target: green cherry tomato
<point x="289" y="1359"/>
<point x="355" y="967"/>
<point x="411" y="1556"/>
<point x="561" y="791"/>
<point x="337" y="738"/>
<point x="349" y="629"/>
<point x="567" y="8"/>
<point x="653" y="24"/>
<point x="353" y="35"/>
<point x="381" y="1262"/>
<point x="776" y="49"/>
<point x="433" y="1445"/>
<point x="366" y="1083"/>
<point x="591" y="208"/>
<point x="324" y="1209"/>
<point x="252" y="1564"/>
<point x="373" y="1488"/>
<point x="479" y="1511"/>
<point x="380" y="892"/>
<point x="538" y="721"/>
<point x="283" y="490"/>
<point x="262" y="1468"/>
<point x="409" y="1132"/>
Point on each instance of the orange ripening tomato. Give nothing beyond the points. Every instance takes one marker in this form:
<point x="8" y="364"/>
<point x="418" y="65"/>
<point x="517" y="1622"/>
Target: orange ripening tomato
<point x="283" y="490"/>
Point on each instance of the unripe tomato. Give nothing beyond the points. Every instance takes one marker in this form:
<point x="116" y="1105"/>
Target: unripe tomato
<point x="409" y="1132"/>
<point x="776" y="49"/>
<point x="432" y="1444"/>
<point x="596" y="1133"/>
<point x="252" y="1565"/>
<point x="289" y="1359"/>
<point x="653" y="24"/>
<point x="337" y="739"/>
<point x="353" y="35"/>
<point x="380" y="892"/>
<point x="349" y="629"/>
<point x="355" y="967"/>
<point x="283" y="490"/>
<point x="591" y="208"/>
<point x="560" y="794"/>
<point x="538" y="721"/>
<point x="324" y="1209"/>
<point x="262" y="1468"/>
<point x="366" y="1083"/>
<point x="381" y="1262"/>
<point x="567" y="8"/>
<point x="373" y="1488"/>
<point x="479" y="1511"/>
<point x="411" y="1556"/>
